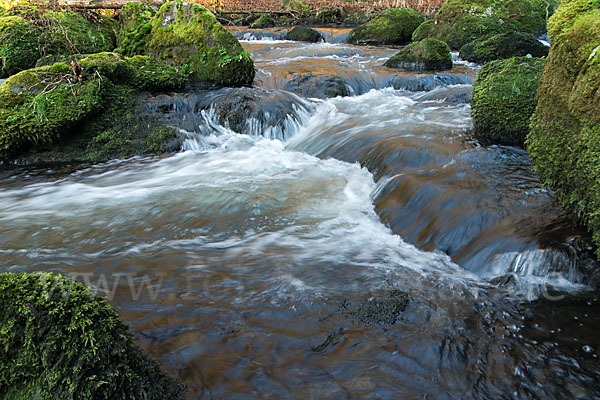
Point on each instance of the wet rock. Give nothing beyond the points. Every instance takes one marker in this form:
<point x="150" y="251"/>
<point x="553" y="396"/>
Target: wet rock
<point x="459" y="22"/>
<point x="247" y="34"/>
<point x="304" y="34"/>
<point x="505" y="45"/>
<point x="504" y="98"/>
<point x="28" y="32"/>
<point x="243" y="110"/>
<point x="426" y="55"/>
<point x="86" y="110"/>
<point x="61" y="341"/>
<point x="563" y="143"/>
<point x="421" y="83"/>
<point x="188" y="36"/>
<point x="392" y="26"/>
<point x="317" y="86"/>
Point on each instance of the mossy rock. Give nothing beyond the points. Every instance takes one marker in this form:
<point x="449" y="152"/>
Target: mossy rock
<point x="326" y="16"/>
<point x="59" y="341"/>
<point x="564" y="143"/>
<point x="504" y="98"/>
<point x="459" y="22"/>
<point x="504" y="45"/>
<point x="304" y="34"/>
<point x="30" y="32"/>
<point x="426" y="55"/>
<point x="134" y="24"/>
<point x="188" y="36"/>
<point x="422" y="31"/>
<point x="264" y="21"/>
<point x="42" y="106"/>
<point x="392" y="26"/>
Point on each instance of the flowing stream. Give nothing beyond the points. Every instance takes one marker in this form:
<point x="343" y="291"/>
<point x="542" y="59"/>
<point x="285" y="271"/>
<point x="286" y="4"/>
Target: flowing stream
<point x="271" y="262"/>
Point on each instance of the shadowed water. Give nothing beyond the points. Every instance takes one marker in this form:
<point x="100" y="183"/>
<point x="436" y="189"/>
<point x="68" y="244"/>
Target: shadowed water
<point x="245" y="262"/>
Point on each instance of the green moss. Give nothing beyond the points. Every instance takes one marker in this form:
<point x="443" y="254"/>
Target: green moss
<point x="134" y="25"/>
<point x="188" y="36"/>
<point x="426" y="55"/>
<point x="564" y="141"/>
<point x="422" y="31"/>
<point x="39" y="105"/>
<point x="45" y="104"/>
<point x="393" y="26"/>
<point x="303" y="34"/>
<point x="60" y="342"/>
<point x="18" y="45"/>
<point x="504" y="45"/>
<point x="30" y="32"/>
<point x="459" y="22"/>
<point x="504" y="98"/>
<point x="264" y="21"/>
<point x="326" y="16"/>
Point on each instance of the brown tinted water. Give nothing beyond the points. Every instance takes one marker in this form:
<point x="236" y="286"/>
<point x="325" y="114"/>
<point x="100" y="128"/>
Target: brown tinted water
<point x="267" y="264"/>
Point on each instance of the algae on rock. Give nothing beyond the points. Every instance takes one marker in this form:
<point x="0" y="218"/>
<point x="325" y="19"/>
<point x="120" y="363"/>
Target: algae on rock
<point x="564" y="143"/>
<point x="504" y="98"/>
<point x="392" y="26"/>
<point x="504" y="45"/>
<point x="426" y="55"/>
<point x="59" y="341"/>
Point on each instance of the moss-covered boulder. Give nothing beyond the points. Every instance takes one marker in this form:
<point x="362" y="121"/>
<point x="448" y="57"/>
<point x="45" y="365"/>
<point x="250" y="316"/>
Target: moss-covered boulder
<point x="422" y="31"/>
<point x="564" y="142"/>
<point x="30" y="32"/>
<point x="134" y="23"/>
<point x="188" y="36"/>
<point x="304" y="34"/>
<point x="392" y="26"/>
<point x="426" y="55"/>
<point x="459" y="22"/>
<point x="504" y="98"/>
<point x="264" y="21"/>
<point x="45" y="106"/>
<point x="59" y="341"/>
<point x="504" y="45"/>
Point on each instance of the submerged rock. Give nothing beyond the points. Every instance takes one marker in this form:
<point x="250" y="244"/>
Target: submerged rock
<point x="425" y="83"/>
<point x="426" y="55"/>
<point x="317" y="86"/>
<point x="383" y="309"/>
<point x="188" y="36"/>
<point x="504" y="98"/>
<point x="60" y="341"/>
<point x="565" y="128"/>
<point x="392" y="26"/>
<point x="85" y="110"/>
<point x="304" y="34"/>
<point x="504" y="45"/>
<point x="459" y="22"/>
<point x="28" y="32"/>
